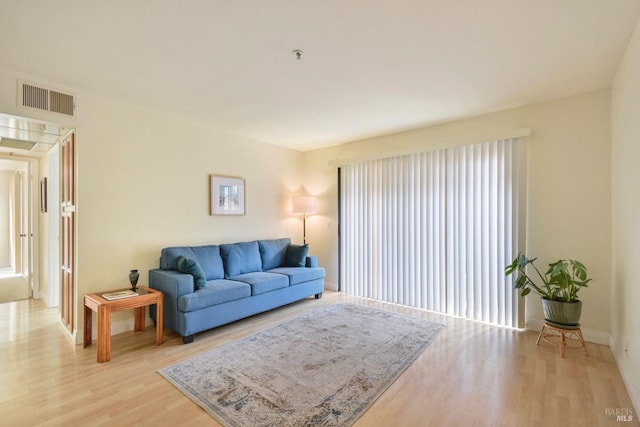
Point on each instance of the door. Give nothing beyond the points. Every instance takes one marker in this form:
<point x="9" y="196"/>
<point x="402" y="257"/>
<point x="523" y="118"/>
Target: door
<point x="20" y="225"/>
<point x="67" y="232"/>
<point x="16" y="222"/>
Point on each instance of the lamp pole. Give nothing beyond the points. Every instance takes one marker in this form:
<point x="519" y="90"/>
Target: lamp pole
<point x="304" y="228"/>
<point x="304" y="205"/>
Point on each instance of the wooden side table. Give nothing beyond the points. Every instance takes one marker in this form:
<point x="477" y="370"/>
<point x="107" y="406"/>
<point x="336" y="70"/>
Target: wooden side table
<point x="104" y="308"/>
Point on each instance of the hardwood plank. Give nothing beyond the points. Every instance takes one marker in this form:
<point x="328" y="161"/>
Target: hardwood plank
<point x="472" y="374"/>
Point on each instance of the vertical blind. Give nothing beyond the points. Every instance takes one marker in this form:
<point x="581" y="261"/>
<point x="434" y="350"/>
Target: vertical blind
<point x="435" y="230"/>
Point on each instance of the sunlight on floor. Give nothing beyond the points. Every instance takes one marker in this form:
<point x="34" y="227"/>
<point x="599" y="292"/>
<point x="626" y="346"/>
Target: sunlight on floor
<point x="12" y="286"/>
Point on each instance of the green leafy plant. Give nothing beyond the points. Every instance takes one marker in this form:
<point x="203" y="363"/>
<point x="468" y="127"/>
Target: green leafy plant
<point x="561" y="282"/>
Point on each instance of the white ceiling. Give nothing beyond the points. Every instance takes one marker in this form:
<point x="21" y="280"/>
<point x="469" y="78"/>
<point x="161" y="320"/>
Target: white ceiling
<point x="369" y="67"/>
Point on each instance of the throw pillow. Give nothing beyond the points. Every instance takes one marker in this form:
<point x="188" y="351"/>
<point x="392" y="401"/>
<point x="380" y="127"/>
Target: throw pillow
<point x="296" y="255"/>
<point x="191" y="266"/>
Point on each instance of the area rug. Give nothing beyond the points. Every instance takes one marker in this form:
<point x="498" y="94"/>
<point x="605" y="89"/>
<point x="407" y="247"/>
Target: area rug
<point x="323" y="368"/>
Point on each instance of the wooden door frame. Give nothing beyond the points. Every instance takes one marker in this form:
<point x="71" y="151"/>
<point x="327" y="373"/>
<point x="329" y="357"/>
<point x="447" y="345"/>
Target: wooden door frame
<point x="68" y="261"/>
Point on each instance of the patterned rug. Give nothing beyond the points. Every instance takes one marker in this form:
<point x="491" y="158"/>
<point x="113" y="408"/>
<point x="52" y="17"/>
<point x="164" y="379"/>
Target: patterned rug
<point x="324" y="368"/>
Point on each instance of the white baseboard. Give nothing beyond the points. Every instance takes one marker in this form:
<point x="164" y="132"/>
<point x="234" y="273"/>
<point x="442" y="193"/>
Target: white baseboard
<point x="45" y="299"/>
<point x="72" y="336"/>
<point x="629" y="375"/>
<point x="331" y="286"/>
<point x="591" y="335"/>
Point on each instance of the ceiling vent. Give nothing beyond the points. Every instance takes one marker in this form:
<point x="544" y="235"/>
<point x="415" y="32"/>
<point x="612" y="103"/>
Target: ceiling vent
<point x="44" y="98"/>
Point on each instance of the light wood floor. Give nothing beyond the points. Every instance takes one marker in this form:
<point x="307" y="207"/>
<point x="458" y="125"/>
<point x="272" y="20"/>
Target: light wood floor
<point x="473" y="374"/>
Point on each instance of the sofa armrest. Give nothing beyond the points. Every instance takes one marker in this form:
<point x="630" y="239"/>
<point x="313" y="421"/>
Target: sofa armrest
<point x="312" y="261"/>
<point x="173" y="285"/>
<point x="170" y="282"/>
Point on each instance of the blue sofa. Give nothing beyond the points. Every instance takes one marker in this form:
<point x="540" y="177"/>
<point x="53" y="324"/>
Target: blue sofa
<point x="209" y="286"/>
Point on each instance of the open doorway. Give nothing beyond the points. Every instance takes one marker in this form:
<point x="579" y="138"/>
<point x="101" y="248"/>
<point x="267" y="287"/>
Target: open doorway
<point x="31" y="244"/>
<point x="15" y="230"/>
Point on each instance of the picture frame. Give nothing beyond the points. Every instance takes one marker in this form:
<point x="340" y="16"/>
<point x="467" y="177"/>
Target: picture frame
<point x="43" y="195"/>
<point x="227" y="195"/>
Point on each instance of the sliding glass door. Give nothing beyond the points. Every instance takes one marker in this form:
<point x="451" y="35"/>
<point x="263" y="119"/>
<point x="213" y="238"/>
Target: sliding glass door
<point x="434" y="230"/>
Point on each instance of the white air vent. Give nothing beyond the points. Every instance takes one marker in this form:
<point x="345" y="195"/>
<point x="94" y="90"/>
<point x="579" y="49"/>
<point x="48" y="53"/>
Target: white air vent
<point x="45" y="98"/>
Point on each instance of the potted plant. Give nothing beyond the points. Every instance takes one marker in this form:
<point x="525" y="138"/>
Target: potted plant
<point x="558" y="287"/>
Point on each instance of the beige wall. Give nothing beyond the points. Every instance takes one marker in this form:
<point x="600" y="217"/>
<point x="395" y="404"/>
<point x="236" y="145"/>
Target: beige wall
<point x="568" y="195"/>
<point x="143" y="184"/>
<point x="625" y="155"/>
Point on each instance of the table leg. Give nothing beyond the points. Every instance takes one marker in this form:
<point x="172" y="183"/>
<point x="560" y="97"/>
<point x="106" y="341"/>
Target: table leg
<point x="159" y="318"/>
<point x="88" y="325"/>
<point x="104" y="334"/>
<point x="139" y="319"/>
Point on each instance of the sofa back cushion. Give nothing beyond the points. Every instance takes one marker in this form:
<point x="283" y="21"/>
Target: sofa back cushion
<point x="169" y="256"/>
<point x="240" y="258"/>
<point x="273" y="252"/>
<point x="208" y="258"/>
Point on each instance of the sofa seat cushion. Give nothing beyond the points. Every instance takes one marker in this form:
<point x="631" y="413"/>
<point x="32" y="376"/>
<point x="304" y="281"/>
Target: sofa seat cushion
<point x="240" y="258"/>
<point x="212" y="293"/>
<point x="263" y="282"/>
<point x="273" y="252"/>
<point x="207" y="256"/>
<point x="299" y="275"/>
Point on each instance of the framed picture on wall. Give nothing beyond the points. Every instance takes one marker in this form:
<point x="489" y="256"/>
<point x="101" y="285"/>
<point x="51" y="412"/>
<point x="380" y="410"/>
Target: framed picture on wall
<point x="43" y="195"/>
<point x="226" y="195"/>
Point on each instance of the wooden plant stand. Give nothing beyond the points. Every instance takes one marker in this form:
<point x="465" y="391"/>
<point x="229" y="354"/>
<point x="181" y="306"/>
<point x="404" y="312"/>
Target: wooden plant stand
<point x="559" y="335"/>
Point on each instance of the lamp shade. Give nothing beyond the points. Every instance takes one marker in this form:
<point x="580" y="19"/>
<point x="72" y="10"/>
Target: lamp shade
<point x="304" y="205"/>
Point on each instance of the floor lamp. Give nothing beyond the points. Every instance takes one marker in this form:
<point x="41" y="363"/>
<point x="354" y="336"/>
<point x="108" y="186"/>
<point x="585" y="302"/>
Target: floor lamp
<point x="305" y="205"/>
